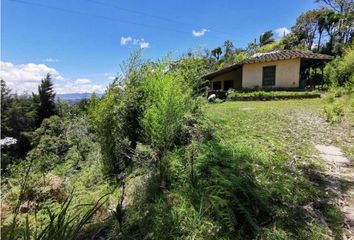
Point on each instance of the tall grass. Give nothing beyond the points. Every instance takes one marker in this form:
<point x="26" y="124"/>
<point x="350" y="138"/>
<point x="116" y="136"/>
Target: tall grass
<point x="62" y="225"/>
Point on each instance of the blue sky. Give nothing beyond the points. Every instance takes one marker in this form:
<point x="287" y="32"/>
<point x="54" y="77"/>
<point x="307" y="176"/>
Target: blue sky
<point x="82" y="42"/>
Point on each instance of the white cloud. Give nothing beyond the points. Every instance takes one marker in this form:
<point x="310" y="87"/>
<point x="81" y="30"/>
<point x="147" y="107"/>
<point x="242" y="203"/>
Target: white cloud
<point x="110" y="76"/>
<point x="199" y="33"/>
<point x="125" y="40"/>
<point x="83" y="81"/>
<point x="281" y="32"/>
<point x="134" y="41"/>
<point x="50" y="60"/>
<point x="80" y="85"/>
<point x="144" y="44"/>
<point x="25" y="78"/>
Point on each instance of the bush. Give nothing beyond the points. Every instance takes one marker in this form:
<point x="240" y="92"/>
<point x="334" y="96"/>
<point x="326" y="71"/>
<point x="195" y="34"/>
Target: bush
<point x="270" y="95"/>
<point x="340" y="71"/>
<point x="168" y="103"/>
<point x="334" y="112"/>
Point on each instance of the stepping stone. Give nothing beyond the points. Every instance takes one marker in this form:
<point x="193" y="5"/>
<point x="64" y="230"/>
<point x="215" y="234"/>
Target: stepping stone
<point x="332" y="154"/>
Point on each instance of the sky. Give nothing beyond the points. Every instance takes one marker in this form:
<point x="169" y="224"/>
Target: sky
<point x="82" y="43"/>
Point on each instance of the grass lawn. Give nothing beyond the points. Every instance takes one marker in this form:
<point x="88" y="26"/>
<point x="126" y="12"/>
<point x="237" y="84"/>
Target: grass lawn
<point x="285" y="133"/>
<point x="289" y="126"/>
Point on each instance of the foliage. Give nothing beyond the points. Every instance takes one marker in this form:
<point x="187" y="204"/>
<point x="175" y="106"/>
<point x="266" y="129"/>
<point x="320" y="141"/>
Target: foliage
<point x="168" y="103"/>
<point x="306" y="27"/>
<point x="61" y="225"/>
<point x="271" y="94"/>
<point x="335" y="20"/>
<point x="17" y="121"/>
<point x="117" y="117"/>
<point x="50" y="144"/>
<point x="114" y="147"/>
<point x="334" y="112"/>
<point x="238" y="57"/>
<point x="192" y="69"/>
<point x="340" y="71"/>
<point x="337" y="105"/>
<point x="276" y="45"/>
<point x="266" y="38"/>
<point x="229" y="52"/>
<point x="45" y="99"/>
<point x="216" y="53"/>
<point x="64" y="157"/>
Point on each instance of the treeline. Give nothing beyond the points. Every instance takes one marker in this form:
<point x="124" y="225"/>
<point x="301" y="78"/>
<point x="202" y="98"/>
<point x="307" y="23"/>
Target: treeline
<point x="21" y="115"/>
<point x="325" y="30"/>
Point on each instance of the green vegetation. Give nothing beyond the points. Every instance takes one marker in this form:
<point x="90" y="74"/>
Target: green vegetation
<point x="340" y="71"/>
<point x="45" y="100"/>
<point x="151" y="159"/>
<point x="271" y="95"/>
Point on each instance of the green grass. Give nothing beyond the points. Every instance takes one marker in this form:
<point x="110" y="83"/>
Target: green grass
<point x="285" y="133"/>
<point x="273" y="126"/>
<point x="255" y="169"/>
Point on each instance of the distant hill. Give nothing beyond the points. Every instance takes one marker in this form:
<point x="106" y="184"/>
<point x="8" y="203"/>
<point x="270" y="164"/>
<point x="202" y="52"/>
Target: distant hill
<point x="75" y="97"/>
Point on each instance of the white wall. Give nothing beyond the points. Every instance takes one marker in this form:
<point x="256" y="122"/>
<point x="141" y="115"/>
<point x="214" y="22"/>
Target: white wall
<point x="287" y="74"/>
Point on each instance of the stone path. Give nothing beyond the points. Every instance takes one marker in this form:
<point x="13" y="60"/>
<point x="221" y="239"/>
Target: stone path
<point x="340" y="168"/>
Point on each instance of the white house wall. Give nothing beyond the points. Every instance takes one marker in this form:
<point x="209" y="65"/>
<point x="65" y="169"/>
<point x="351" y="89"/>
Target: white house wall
<point x="287" y="74"/>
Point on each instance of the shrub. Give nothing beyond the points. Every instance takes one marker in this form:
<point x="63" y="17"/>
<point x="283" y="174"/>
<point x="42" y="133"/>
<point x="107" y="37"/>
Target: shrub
<point x="168" y="103"/>
<point x="334" y="112"/>
<point x="114" y="146"/>
<point x="117" y="116"/>
<point x="192" y="69"/>
<point x="340" y="71"/>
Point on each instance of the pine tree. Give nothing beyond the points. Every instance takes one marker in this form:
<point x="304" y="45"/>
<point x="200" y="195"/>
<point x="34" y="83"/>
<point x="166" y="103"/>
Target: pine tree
<point x="45" y="99"/>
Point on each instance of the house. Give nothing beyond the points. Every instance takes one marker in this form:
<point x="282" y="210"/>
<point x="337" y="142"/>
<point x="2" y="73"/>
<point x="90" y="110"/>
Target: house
<point x="281" y="69"/>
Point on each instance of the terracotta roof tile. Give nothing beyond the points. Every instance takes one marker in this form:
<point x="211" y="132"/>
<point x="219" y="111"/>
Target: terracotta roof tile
<point x="284" y="54"/>
<point x="270" y="57"/>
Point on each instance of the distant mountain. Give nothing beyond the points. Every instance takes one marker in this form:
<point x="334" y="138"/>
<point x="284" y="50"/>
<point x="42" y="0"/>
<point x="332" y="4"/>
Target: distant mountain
<point x="75" y="97"/>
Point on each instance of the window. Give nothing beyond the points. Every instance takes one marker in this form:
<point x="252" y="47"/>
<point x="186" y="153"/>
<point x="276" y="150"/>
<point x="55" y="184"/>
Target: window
<point x="228" y="84"/>
<point x="269" y="76"/>
<point x="217" y="85"/>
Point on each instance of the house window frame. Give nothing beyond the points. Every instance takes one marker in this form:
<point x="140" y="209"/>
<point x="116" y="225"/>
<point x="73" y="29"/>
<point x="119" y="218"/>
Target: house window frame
<point x="274" y="80"/>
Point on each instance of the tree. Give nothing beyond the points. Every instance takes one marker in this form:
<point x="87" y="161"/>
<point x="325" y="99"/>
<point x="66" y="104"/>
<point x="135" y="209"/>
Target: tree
<point x="343" y="6"/>
<point x="17" y="121"/>
<point x="216" y="53"/>
<point x="45" y="99"/>
<point x="306" y="26"/>
<point x="266" y="38"/>
<point x="229" y="51"/>
<point x="339" y="24"/>
<point x="6" y="102"/>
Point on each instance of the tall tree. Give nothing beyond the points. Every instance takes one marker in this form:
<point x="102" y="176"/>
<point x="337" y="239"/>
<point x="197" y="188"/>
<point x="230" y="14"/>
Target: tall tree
<point x="45" y="99"/>
<point x="343" y="6"/>
<point x="331" y="26"/>
<point x="339" y="24"/>
<point x="266" y="38"/>
<point x="321" y="21"/>
<point x="229" y="51"/>
<point x="306" y="26"/>
<point x="216" y="52"/>
<point x="6" y="102"/>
